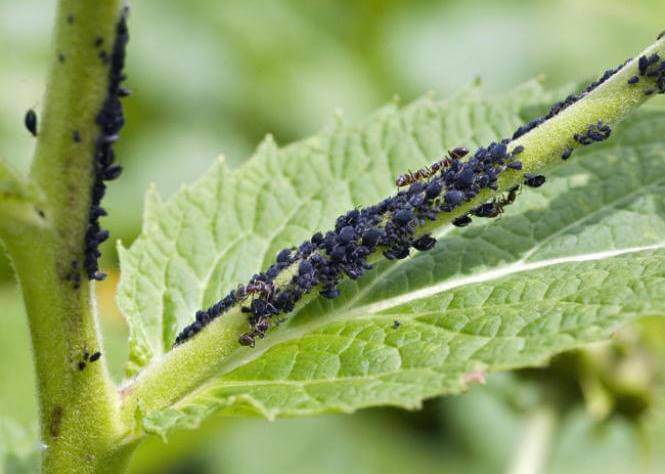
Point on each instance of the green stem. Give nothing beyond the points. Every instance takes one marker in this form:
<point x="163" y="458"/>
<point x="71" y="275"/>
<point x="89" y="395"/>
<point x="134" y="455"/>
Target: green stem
<point x="78" y="402"/>
<point x="533" y="448"/>
<point x="188" y="366"/>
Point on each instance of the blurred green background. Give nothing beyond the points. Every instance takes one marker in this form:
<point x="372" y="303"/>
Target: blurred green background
<point x="213" y="77"/>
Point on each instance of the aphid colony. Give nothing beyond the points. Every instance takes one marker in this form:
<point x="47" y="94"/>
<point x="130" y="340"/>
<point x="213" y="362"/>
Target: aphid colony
<point x="558" y="107"/>
<point x="110" y="120"/>
<point x="651" y="67"/>
<point x="390" y="226"/>
<point x="596" y="132"/>
<point x="87" y="357"/>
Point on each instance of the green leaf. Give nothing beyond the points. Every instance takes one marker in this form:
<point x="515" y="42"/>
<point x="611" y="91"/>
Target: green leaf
<point x="216" y="233"/>
<point x="566" y="265"/>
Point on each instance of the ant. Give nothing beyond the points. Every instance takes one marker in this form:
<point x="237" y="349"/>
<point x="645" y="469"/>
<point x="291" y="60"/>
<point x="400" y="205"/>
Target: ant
<point x="262" y="288"/>
<point x="429" y="171"/>
<point x="496" y="207"/>
<point x="500" y="204"/>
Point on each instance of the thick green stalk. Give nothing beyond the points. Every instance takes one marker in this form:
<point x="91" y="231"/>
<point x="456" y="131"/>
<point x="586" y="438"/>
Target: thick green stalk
<point x="533" y="448"/>
<point x="187" y="367"/>
<point x="78" y="401"/>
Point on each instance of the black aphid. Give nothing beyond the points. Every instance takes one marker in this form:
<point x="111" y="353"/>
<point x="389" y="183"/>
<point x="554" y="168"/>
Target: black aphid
<point x="61" y="57"/>
<point x="534" y="180"/>
<point x="284" y="256"/>
<point x="424" y="243"/>
<point x="76" y="136"/>
<point x="81" y="365"/>
<point x="30" y="122"/>
<point x="642" y="64"/>
<point x="403" y="216"/>
<point x="518" y="149"/>
<point x="453" y="197"/>
<point x="99" y="41"/>
<point x="396" y="324"/>
<point x="95" y="356"/>
<point x="462" y="221"/>
<point x="330" y="293"/>
<point x="566" y="154"/>
<point x="70" y="19"/>
<point x="645" y="64"/>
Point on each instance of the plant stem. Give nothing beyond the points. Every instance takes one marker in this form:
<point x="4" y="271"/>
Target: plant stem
<point x="533" y="448"/>
<point x="191" y="364"/>
<point x="78" y="402"/>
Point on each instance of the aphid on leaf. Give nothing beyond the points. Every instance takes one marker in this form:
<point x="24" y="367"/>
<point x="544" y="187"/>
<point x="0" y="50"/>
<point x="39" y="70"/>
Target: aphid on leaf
<point x="462" y="221"/>
<point x="534" y="180"/>
<point x="424" y="243"/>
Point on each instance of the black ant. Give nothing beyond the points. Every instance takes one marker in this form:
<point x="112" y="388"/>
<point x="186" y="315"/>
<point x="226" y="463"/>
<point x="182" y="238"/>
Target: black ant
<point x="500" y="204"/>
<point x="429" y="171"/>
<point x="496" y="207"/>
<point x="263" y="288"/>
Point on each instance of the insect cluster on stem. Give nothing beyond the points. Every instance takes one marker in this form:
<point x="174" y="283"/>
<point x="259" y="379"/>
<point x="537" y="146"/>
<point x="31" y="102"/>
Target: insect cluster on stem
<point x="110" y="120"/>
<point x="390" y="227"/>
